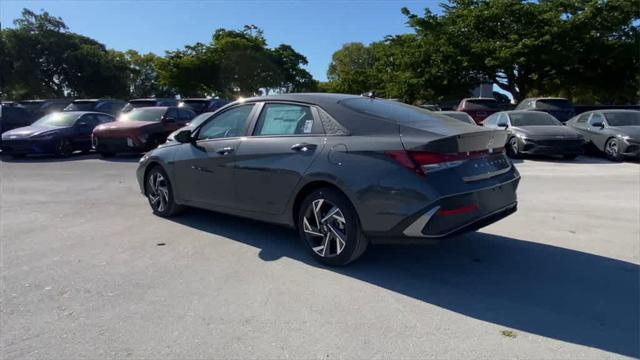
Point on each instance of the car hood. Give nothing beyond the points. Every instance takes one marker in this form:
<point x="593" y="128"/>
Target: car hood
<point x="630" y="131"/>
<point x="33" y="130"/>
<point x="122" y="127"/>
<point x="546" y="131"/>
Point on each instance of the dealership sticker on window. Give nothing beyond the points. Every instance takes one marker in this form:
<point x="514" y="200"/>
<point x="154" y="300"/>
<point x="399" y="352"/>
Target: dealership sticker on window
<point x="307" y="126"/>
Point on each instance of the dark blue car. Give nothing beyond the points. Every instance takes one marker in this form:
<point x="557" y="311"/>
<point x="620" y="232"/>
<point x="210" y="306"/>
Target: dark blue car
<point x="59" y="133"/>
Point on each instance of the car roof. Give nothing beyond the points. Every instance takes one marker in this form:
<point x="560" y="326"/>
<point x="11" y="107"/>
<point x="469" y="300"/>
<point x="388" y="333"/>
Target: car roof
<point x="153" y="99"/>
<point x="86" y="112"/>
<point x="479" y="98"/>
<point x="310" y="98"/>
<point x="609" y="110"/>
<point x="100" y="99"/>
<point x="154" y="107"/>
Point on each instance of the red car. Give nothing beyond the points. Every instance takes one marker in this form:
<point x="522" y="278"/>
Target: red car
<point x="139" y="130"/>
<point x="479" y="108"/>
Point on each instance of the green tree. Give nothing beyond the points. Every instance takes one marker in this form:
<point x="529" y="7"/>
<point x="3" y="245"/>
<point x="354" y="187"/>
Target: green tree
<point x="144" y="78"/>
<point x="351" y="69"/>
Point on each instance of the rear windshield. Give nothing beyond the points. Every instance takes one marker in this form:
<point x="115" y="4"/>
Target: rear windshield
<point x="31" y="105"/>
<point x="136" y="104"/>
<point x="196" y="105"/>
<point x="533" y="118"/>
<point x="145" y="114"/>
<point x="623" y="118"/>
<point x="58" y="119"/>
<point x="81" y="106"/>
<point x="391" y="110"/>
<point x="481" y="104"/>
<point x="459" y="115"/>
<point x="554" y="104"/>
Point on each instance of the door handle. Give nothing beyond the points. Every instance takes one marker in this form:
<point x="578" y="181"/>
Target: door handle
<point x="225" y="150"/>
<point x="303" y="147"/>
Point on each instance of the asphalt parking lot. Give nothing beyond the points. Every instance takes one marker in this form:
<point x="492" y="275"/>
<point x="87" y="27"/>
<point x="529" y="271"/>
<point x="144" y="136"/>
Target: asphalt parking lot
<point x="89" y="272"/>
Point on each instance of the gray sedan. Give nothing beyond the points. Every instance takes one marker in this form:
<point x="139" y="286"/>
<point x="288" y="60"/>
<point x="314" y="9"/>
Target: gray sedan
<point x="615" y="132"/>
<point x="343" y="170"/>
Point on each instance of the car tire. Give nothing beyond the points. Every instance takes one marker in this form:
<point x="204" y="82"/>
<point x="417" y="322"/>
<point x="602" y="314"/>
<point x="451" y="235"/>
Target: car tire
<point x="160" y="193"/>
<point x="107" y="154"/>
<point x="513" y="148"/>
<point x="329" y="226"/>
<point x="612" y="150"/>
<point x="64" y="148"/>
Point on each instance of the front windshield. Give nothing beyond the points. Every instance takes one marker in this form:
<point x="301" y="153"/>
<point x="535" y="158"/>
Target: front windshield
<point x="81" y="106"/>
<point x="31" y="105"/>
<point x="137" y="104"/>
<point x="199" y="119"/>
<point x="144" y="114"/>
<point x="533" y="118"/>
<point x="623" y="118"/>
<point x="554" y="104"/>
<point x="196" y="105"/>
<point x="58" y="119"/>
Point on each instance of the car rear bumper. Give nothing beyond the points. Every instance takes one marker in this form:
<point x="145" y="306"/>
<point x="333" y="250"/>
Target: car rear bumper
<point x="455" y="214"/>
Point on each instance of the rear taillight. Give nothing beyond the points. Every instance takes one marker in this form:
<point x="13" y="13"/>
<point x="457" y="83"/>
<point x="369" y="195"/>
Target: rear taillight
<point x="423" y="162"/>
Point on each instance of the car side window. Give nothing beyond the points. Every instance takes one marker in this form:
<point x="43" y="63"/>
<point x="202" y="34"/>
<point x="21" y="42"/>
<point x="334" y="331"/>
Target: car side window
<point x="185" y="115"/>
<point x="88" y="119"/>
<point x="490" y="121"/>
<point x="583" y="118"/>
<point x="171" y="113"/>
<point x="104" y="119"/>
<point x="502" y="120"/>
<point x="230" y="123"/>
<point x="596" y="118"/>
<point x="286" y="119"/>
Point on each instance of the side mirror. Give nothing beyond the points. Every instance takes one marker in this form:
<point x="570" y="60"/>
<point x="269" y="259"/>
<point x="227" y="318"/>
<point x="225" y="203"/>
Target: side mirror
<point x="503" y="125"/>
<point x="184" y="136"/>
<point x="598" y="124"/>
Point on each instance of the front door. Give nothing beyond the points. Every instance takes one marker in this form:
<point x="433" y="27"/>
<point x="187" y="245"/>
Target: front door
<point x="204" y="170"/>
<point x="269" y="164"/>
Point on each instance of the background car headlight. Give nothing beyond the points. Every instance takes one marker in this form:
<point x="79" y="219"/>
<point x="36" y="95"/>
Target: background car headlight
<point x="521" y="136"/>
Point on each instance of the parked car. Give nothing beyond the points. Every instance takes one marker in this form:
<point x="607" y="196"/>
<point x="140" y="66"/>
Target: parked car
<point x="336" y="168"/>
<point x="40" y="108"/>
<point x="150" y="102"/>
<point x="479" y="108"/>
<point x="561" y="108"/>
<point x="14" y="116"/>
<point x="459" y="115"/>
<point x="59" y="133"/>
<point x="431" y="107"/>
<point x="139" y="130"/>
<point x="202" y="105"/>
<point x="107" y="106"/>
<point x="536" y="133"/>
<point x="614" y="132"/>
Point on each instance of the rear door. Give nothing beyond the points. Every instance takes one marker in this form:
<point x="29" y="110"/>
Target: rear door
<point x="286" y="139"/>
<point x="204" y="169"/>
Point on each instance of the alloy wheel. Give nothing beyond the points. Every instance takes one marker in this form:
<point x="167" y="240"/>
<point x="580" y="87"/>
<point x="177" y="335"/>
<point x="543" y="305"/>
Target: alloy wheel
<point x="514" y="145"/>
<point x="612" y="149"/>
<point x="325" y="227"/>
<point x="158" y="192"/>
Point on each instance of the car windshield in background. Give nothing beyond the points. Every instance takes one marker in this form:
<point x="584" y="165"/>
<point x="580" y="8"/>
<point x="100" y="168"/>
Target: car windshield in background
<point x="136" y="104"/>
<point x="391" y="110"/>
<point x="57" y="119"/>
<point x="554" y="104"/>
<point x="81" y="106"/>
<point x="145" y="114"/>
<point x="462" y="116"/>
<point x="31" y="105"/>
<point x="196" y="105"/>
<point x="199" y="119"/>
<point x="533" y="118"/>
<point x="481" y="104"/>
<point x="623" y="118"/>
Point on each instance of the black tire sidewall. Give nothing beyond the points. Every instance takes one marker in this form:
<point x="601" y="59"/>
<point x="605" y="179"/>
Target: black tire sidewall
<point x="60" y="146"/>
<point x="353" y="246"/>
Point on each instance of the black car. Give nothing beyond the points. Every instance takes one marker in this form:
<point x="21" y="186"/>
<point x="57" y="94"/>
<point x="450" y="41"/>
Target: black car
<point x="59" y="133"/>
<point x="107" y="106"/>
<point x="614" y="132"/>
<point x="40" y="108"/>
<point x="202" y="105"/>
<point x="344" y="170"/>
<point x="150" y="102"/>
<point x="14" y="116"/>
<point x="560" y="108"/>
<point x="536" y="133"/>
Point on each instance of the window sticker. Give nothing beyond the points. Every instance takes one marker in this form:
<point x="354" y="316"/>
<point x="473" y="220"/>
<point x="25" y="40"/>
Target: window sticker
<point x="307" y="126"/>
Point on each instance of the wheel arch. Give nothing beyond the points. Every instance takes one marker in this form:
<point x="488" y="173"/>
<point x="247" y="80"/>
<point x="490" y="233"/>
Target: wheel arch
<point x="151" y="165"/>
<point x="307" y="189"/>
